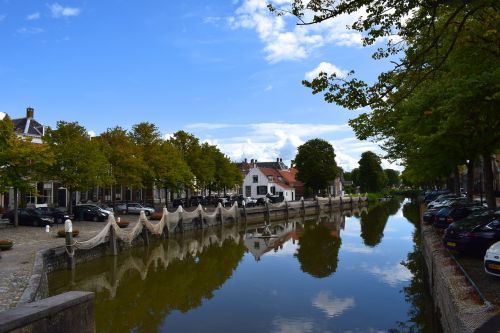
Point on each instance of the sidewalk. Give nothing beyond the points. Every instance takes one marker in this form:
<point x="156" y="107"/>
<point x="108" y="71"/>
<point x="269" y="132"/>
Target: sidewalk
<point x="16" y="264"/>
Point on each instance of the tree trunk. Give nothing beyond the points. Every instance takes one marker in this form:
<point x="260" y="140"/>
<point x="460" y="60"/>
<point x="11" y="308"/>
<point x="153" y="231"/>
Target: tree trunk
<point x="470" y="181"/>
<point x="488" y="181"/>
<point x="456" y="180"/>
<point x="16" y="213"/>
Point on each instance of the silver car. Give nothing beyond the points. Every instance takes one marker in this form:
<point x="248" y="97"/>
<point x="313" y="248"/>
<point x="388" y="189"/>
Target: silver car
<point x="134" y="208"/>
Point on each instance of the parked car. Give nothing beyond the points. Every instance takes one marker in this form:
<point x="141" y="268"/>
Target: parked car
<point x="224" y="201"/>
<point x="250" y="202"/>
<point x="429" y="215"/>
<point x="441" y="200"/>
<point x="275" y="198"/>
<point x="29" y="216"/>
<point x="59" y="215"/>
<point x="90" y="213"/>
<point x="198" y="200"/>
<point x="446" y="216"/>
<point x="474" y="233"/>
<point x="179" y="202"/>
<point x="97" y="206"/>
<point x="492" y="260"/>
<point x="134" y="208"/>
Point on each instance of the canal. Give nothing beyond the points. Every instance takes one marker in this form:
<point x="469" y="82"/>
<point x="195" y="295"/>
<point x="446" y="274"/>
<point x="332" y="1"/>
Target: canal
<point x="335" y="272"/>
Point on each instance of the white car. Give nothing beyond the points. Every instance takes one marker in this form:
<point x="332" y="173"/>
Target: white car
<point x="492" y="260"/>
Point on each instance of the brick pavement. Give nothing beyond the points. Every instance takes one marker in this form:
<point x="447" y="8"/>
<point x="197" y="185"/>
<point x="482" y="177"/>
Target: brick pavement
<point x="16" y="264"/>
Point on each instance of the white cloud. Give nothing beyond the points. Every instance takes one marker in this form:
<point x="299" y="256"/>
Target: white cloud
<point x="59" y="11"/>
<point x="353" y="248"/>
<point x="30" y="30"/>
<point x="327" y="68"/>
<point x="392" y="275"/>
<point x="34" y="16"/>
<point x="91" y="134"/>
<point x="332" y="306"/>
<point x="269" y="88"/>
<point x="283" y="39"/>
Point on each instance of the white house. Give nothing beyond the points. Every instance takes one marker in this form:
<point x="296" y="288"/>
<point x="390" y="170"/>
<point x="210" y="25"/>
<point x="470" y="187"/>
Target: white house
<point x="261" y="181"/>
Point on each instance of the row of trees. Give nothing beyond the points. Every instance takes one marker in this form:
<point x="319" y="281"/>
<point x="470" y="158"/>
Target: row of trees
<point x="436" y="107"/>
<point x="370" y="176"/>
<point x="139" y="158"/>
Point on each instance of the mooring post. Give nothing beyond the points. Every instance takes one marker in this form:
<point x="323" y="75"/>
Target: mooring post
<point x="112" y="240"/>
<point x="330" y="202"/>
<point x="286" y="211"/>
<point x="200" y="214"/>
<point x="237" y="212"/>
<point x="68" y="229"/>
<point x="303" y="206"/>
<point x="317" y="204"/>
<point x="340" y="201"/>
<point x="220" y="214"/>
<point x="180" y="223"/>
<point x="145" y="234"/>
<point x="268" y="212"/>
<point x="245" y="210"/>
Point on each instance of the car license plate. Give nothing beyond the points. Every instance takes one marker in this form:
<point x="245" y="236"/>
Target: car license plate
<point x="452" y="244"/>
<point x="494" y="266"/>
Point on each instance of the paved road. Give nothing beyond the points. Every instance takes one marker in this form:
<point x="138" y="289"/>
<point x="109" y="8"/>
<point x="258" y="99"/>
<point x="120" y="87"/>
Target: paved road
<point x="16" y="264"/>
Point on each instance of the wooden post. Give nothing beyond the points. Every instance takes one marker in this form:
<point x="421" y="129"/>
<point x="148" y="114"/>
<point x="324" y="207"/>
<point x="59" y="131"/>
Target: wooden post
<point x="145" y="234"/>
<point x="68" y="228"/>
<point x="180" y="224"/>
<point x="245" y="211"/>
<point x="237" y="212"/>
<point x="220" y="214"/>
<point x="112" y="241"/>
<point x="330" y="202"/>
<point x="303" y="206"/>
<point x="286" y="211"/>
<point x="317" y="205"/>
<point x="268" y="212"/>
<point x="340" y="201"/>
<point x="200" y="211"/>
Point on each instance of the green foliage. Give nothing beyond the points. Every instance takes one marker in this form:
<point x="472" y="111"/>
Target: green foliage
<point x="393" y="178"/>
<point x="315" y="162"/>
<point x="371" y="176"/>
<point x="79" y="164"/>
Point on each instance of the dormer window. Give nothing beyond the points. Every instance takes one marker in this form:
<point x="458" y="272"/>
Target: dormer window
<point x="270" y="178"/>
<point x="280" y="178"/>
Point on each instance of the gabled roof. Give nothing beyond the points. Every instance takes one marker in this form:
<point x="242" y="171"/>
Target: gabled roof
<point x="28" y="126"/>
<point x="284" y="178"/>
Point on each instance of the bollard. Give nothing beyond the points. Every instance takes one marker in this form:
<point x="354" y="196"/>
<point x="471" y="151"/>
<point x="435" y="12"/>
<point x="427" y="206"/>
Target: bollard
<point x="112" y="240"/>
<point x="68" y="229"/>
<point x="245" y="211"/>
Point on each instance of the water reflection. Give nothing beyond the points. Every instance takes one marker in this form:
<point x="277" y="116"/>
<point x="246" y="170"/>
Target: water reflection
<point x="139" y="291"/>
<point x="250" y="278"/>
<point x="374" y="221"/>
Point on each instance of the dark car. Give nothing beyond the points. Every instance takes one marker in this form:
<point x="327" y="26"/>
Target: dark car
<point x="429" y="215"/>
<point x="179" y="202"/>
<point x="446" y="216"/>
<point x="474" y="233"/>
<point x="198" y="200"/>
<point x="275" y="198"/>
<point x="59" y="215"/>
<point x="29" y="216"/>
<point x="90" y="213"/>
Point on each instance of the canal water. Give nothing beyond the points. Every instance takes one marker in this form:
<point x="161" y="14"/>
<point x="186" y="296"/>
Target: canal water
<point x="336" y="272"/>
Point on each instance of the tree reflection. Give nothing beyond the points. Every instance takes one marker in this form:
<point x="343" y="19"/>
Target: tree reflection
<point x="373" y="222"/>
<point x="422" y="317"/>
<point x="318" y="251"/>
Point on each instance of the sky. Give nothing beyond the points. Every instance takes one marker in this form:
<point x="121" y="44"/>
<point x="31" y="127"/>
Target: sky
<point x="227" y="71"/>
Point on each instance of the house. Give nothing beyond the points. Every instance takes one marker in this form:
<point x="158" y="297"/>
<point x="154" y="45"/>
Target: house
<point x="260" y="181"/>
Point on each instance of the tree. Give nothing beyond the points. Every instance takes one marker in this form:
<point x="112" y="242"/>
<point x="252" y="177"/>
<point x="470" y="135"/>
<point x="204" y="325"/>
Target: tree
<point x="124" y="158"/>
<point x="79" y="164"/>
<point x="21" y="162"/>
<point x="371" y="176"/>
<point x="315" y="162"/>
<point x="393" y="178"/>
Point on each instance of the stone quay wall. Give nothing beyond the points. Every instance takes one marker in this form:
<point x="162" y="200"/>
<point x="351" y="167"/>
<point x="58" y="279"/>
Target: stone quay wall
<point x="460" y="306"/>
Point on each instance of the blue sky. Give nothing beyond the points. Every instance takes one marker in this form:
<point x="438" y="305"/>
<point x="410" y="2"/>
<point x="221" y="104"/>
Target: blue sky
<point x="226" y="71"/>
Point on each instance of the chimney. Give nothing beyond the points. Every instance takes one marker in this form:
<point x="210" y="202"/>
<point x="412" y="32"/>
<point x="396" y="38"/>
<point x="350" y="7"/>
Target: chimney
<point x="251" y="161"/>
<point x="245" y="160"/>
<point x="277" y="159"/>
<point x="281" y="160"/>
<point x="30" y="112"/>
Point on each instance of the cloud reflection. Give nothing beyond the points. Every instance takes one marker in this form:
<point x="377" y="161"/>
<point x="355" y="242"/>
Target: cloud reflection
<point x="332" y="306"/>
<point x="284" y="325"/>
<point x="392" y="275"/>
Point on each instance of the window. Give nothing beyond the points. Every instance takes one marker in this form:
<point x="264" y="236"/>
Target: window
<point x="270" y="178"/>
<point x="261" y="190"/>
<point x="255" y="179"/>
<point x="280" y="178"/>
<point x="273" y="190"/>
<point x="248" y="191"/>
